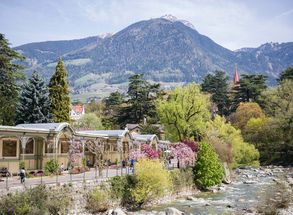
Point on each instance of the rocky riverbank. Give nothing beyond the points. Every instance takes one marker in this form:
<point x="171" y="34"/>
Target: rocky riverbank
<point x="253" y="191"/>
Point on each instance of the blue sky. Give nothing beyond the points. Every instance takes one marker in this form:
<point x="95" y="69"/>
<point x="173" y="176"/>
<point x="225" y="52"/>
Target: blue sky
<point x="231" y="23"/>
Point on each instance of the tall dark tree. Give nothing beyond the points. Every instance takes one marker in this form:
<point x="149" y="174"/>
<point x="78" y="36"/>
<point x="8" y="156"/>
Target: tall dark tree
<point x="34" y="104"/>
<point x="112" y="109"/>
<point x="249" y="89"/>
<point x="59" y="94"/>
<point x="140" y="104"/>
<point x="217" y="85"/>
<point x="9" y="75"/>
<point x="286" y="75"/>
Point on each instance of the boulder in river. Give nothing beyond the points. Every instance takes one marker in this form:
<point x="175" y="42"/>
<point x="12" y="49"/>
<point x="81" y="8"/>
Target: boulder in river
<point x="190" y="198"/>
<point x="173" y="211"/>
<point x="249" y="182"/>
<point x="116" y="211"/>
<point x="227" y="174"/>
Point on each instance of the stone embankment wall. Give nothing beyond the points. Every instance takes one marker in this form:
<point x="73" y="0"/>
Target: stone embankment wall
<point x="77" y="191"/>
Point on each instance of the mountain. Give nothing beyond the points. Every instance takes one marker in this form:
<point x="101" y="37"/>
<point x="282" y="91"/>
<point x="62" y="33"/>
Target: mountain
<point x="165" y="49"/>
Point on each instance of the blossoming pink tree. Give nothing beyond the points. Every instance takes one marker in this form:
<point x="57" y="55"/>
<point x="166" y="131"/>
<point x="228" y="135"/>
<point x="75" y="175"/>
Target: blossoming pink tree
<point x="146" y="152"/>
<point x="183" y="154"/>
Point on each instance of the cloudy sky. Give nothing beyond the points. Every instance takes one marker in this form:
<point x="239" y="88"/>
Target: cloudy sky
<point x="231" y="23"/>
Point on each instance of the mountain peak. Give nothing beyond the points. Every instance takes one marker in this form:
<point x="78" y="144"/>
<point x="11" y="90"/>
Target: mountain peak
<point x="172" y="18"/>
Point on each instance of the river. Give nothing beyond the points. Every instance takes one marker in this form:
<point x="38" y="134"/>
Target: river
<point x="244" y="195"/>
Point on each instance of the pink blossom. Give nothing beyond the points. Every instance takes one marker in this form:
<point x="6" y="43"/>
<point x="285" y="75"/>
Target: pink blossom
<point x="183" y="153"/>
<point x="149" y="151"/>
<point x="136" y="154"/>
<point x="146" y="152"/>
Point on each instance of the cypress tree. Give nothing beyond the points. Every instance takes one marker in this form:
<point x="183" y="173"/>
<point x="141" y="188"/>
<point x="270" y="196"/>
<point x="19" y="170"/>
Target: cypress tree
<point x="59" y="94"/>
<point x="34" y="105"/>
<point x="9" y="75"/>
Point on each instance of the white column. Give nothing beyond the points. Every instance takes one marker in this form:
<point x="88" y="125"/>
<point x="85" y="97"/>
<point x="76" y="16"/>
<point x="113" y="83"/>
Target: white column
<point x="23" y="140"/>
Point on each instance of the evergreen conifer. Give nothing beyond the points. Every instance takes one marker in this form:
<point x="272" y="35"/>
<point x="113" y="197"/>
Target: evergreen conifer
<point x="9" y="75"/>
<point x="59" y="94"/>
<point x="34" y="104"/>
<point x="208" y="171"/>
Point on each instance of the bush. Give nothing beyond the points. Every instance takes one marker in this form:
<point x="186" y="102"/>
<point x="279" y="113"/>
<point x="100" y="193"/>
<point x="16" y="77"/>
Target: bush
<point x="181" y="179"/>
<point x="152" y="181"/>
<point x="36" y="201"/>
<point x="120" y="189"/>
<point x="51" y="167"/>
<point x="208" y="170"/>
<point x="118" y="186"/>
<point x="98" y="200"/>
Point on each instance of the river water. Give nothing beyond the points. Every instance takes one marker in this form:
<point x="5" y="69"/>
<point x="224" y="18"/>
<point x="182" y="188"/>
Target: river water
<point x="242" y="196"/>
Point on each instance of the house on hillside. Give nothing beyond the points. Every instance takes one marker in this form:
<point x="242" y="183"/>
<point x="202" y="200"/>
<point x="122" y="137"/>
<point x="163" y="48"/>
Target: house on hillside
<point x="77" y="111"/>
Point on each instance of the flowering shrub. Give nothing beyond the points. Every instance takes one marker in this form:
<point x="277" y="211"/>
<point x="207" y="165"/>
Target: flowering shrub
<point x="183" y="153"/>
<point x="136" y="154"/>
<point x="146" y="152"/>
<point x="192" y="144"/>
<point x="149" y="151"/>
<point x="153" y="181"/>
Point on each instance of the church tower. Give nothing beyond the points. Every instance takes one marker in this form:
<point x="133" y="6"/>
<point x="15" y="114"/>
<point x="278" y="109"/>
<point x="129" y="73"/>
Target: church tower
<point x="236" y="77"/>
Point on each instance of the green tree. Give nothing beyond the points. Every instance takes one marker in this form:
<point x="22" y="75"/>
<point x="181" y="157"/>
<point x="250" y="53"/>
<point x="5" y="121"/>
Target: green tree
<point x="59" y="94"/>
<point x="9" y="76"/>
<point x="89" y="121"/>
<point x="208" y="171"/>
<point x="278" y="103"/>
<point x="286" y="74"/>
<point x="244" y="154"/>
<point x="184" y="112"/>
<point x="34" y="104"/>
<point x="111" y="110"/>
<point x="150" y="129"/>
<point x="249" y="89"/>
<point x="244" y="112"/>
<point x="141" y="102"/>
<point x="217" y="86"/>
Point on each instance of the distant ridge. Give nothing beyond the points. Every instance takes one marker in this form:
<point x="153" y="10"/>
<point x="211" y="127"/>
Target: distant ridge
<point x="164" y="49"/>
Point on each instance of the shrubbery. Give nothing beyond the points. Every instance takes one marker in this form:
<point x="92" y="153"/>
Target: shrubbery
<point x="36" y="201"/>
<point x="98" y="200"/>
<point x="208" y="170"/>
<point x="51" y="167"/>
<point x="152" y="181"/>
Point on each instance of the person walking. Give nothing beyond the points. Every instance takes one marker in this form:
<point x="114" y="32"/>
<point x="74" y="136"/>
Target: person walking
<point x="22" y="175"/>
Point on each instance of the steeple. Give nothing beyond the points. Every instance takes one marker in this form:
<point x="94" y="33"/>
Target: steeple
<point x="236" y="78"/>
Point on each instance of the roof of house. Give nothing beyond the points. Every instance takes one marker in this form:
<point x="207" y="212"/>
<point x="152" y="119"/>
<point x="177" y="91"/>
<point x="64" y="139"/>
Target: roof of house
<point x="57" y="127"/>
<point x="144" y="137"/>
<point x="77" y="108"/>
<point x="106" y="133"/>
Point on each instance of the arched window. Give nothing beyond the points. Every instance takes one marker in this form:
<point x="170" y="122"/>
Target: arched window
<point x="29" y="148"/>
